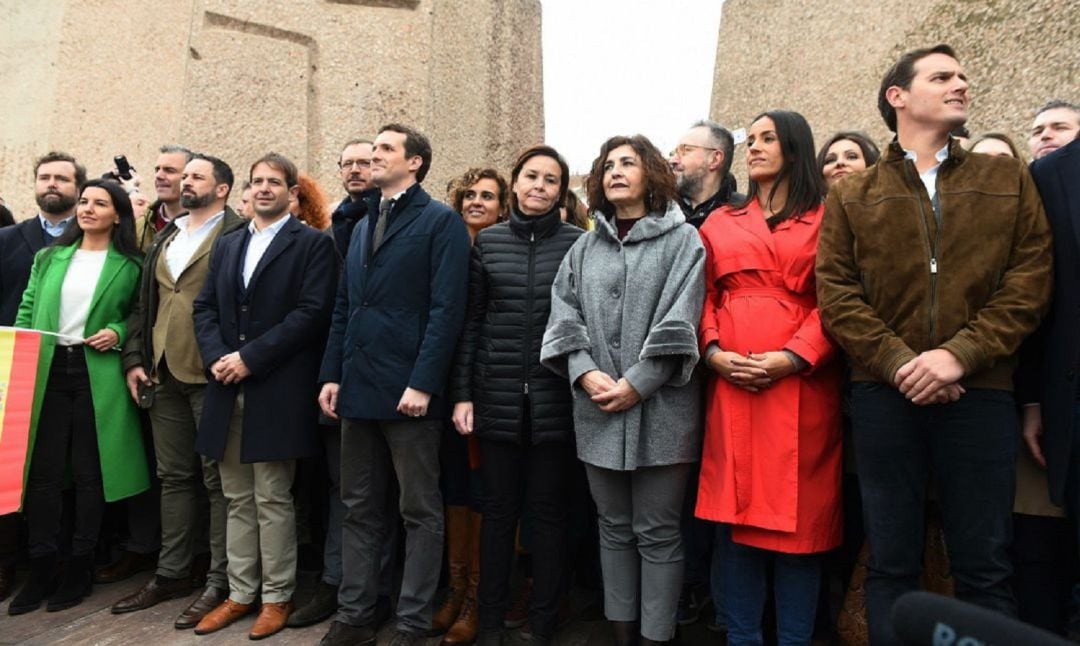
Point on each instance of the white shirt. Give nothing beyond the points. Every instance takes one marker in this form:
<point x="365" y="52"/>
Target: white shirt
<point x="259" y="243"/>
<point x="80" y="281"/>
<point x="183" y="245"/>
<point x="929" y="178"/>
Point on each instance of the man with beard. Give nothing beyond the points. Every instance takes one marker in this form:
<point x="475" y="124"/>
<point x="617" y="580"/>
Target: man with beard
<point x="57" y="178"/>
<point x="702" y="165"/>
<point x="161" y="357"/>
<point x="355" y="166"/>
<point x="168" y="171"/>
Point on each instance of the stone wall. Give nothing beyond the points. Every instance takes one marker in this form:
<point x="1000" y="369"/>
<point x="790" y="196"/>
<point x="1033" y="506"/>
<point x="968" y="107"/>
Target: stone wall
<point x="826" y="60"/>
<point x="237" y="78"/>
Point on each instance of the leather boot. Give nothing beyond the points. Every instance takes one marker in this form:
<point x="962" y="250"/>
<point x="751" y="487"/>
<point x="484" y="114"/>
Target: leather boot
<point x="457" y="554"/>
<point x="464" y="630"/>
<point x="626" y="633"/>
<point x="40" y="584"/>
<point x="76" y="580"/>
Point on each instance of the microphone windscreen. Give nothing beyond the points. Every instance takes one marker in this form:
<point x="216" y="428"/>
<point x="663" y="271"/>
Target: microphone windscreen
<point x="925" y="619"/>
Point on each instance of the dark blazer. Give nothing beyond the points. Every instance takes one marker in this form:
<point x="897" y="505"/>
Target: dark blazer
<point x="1051" y="360"/>
<point x="277" y="323"/>
<point x="399" y="311"/>
<point x="18" y="244"/>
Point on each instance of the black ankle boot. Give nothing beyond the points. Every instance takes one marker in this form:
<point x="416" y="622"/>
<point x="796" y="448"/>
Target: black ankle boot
<point x="626" y="633"/>
<point x="75" y="583"/>
<point x="40" y="584"/>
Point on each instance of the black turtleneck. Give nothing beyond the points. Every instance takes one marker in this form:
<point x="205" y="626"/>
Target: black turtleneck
<point x="534" y="226"/>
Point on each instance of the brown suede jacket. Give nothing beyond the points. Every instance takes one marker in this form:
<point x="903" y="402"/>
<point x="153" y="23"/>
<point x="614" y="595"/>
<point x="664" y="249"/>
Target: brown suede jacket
<point x="891" y="283"/>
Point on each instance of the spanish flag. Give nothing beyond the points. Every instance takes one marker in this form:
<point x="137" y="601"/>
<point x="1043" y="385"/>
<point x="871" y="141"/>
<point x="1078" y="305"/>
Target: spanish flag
<point x="19" y="352"/>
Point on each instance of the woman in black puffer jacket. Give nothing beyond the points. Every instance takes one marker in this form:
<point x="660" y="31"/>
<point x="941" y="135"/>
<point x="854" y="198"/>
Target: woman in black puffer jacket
<point x="519" y="410"/>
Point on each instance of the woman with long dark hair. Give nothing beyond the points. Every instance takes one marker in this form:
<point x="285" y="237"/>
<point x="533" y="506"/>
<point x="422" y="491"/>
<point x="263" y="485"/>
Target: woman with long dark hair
<point x="844" y="153"/>
<point x="771" y="466"/>
<point x="80" y="288"/>
<point x="518" y="409"/>
<point x="623" y="329"/>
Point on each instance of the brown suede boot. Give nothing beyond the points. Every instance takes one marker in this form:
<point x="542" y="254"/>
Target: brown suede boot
<point x="464" y="630"/>
<point x="457" y="554"/>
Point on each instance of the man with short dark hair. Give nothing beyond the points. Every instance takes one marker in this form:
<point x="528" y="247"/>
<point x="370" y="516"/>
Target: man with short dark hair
<point x="400" y="308"/>
<point x="260" y="321"/>
<point x="168" y="174"/>
<point x="57" y="179"/>
<point x="933" y="266"/>
<point x="702" y="165"/>
<point x="355" y="167"/>
<point x="163" y="365"/>
<point x="1056" y="124"/>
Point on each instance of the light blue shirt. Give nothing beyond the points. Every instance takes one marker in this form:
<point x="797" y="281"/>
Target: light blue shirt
<point x="259" y="243"/>
<point x="929" y="178"/>
<point x="54" y="230"/>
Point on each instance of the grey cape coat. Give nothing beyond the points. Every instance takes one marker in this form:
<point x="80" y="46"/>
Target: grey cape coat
<point x="631" y="309"/>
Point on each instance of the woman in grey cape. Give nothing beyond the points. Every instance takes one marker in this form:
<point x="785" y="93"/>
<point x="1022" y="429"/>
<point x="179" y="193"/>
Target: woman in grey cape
<point x="625" y="307"/>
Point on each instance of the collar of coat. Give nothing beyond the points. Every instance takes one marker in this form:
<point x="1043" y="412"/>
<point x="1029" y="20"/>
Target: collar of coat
<point x="539" y="225"/>
<point x="652" y="225"/>
<point x="896" y="153"/>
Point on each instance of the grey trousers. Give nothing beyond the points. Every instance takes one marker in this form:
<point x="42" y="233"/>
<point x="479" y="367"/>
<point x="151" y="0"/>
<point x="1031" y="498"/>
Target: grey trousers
<point x="641" y="551"/>
<point x="261" y="531"/>
<point x="187" y="482"/>
<point x="336" y="518"/>
<point x="373" y="455"/>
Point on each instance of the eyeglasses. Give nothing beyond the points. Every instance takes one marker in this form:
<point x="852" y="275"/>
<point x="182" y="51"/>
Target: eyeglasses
<point x="684" y="149"/>
<point x="348" y="164"/>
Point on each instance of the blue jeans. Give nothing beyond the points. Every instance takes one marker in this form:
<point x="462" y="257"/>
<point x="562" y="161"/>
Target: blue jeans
<point x="796" y="580"/>
<point x="970" y="448"/>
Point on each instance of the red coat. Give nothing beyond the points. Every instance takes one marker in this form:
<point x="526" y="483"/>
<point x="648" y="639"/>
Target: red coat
<point x="771" y="465"/>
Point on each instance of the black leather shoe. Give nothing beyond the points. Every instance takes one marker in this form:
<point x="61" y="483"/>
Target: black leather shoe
<point x="210" y="598"/>
<point x="156" y="590"/>
<point x="322" y="605"/>
<point x="342" y="634"/>
<point x="128" y="565"/>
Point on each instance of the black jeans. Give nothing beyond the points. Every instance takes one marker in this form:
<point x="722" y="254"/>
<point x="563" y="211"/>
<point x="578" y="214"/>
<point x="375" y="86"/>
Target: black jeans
<point x="538" y="474"/>
<point x="970" y="448"/>
<point x="65" y="428"/>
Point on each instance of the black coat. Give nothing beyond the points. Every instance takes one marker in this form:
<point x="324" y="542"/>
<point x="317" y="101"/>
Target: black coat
<point x="510" y="275"/>
<point x="399" y="310"/>
<point x="18" y="244"/>
<point x="278" y="323"/>
<point x="1050" y="369"/>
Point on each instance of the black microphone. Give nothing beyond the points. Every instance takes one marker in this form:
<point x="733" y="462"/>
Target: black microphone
<point x="926" y="619"/>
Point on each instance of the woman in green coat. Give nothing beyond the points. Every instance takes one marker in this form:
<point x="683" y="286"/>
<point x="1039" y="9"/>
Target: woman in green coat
<point x="81" y="288"/>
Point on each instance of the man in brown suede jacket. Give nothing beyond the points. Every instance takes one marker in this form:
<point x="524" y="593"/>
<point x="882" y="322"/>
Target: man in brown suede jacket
<point x="933" y="266"/>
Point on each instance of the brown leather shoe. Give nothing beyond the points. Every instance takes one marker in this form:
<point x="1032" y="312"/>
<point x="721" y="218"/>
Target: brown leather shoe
<point x="156" y="590"/>
<point x="128" y="565"/>
<point x="222" y="616"/>
<point x="271" y="619"/>
<point x="210" y="598"/>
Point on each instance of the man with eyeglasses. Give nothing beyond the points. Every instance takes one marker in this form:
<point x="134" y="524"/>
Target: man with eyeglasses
<point x="355" y="166"/>
<point x="702" y="165"/>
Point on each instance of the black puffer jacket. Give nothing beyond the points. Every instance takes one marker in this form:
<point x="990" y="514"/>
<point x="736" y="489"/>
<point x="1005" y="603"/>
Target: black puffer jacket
<point x="510" y="274"/>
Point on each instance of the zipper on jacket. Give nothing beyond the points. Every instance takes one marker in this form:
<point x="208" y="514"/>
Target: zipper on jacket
<point x="526" y="348"/>
<point x="931" y="243"/>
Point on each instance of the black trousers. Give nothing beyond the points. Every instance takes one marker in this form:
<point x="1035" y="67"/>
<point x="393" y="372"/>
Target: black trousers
<point x="65" y="428"/>
<point x="514" y="473"/>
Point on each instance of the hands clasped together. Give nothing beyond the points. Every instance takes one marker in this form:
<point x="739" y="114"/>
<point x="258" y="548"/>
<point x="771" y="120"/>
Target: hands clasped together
<point x="754" y="372"/>
<point x="931" y="378"/>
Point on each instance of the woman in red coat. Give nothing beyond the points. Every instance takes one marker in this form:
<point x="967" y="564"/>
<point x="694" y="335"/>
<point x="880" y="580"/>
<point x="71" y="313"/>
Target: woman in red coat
<point x="771" y="466"/>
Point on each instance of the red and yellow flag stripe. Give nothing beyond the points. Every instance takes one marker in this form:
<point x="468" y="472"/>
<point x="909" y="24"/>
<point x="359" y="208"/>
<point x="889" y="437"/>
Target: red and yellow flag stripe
<point x="19" y="352"/>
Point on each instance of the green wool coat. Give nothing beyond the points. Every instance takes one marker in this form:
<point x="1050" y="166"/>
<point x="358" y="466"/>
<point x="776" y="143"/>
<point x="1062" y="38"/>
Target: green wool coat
<point x="120" y="444"/>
